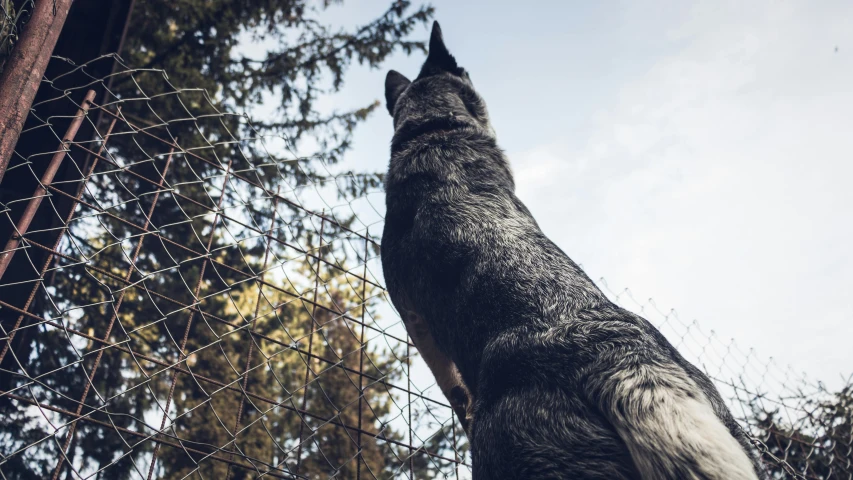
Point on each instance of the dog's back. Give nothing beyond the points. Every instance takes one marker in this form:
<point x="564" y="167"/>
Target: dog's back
<point x="566" y="385"/>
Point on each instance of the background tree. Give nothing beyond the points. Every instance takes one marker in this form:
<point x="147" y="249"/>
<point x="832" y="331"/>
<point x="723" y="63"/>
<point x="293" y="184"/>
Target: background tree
<point x="197" y="42"/>
<point x="819" y="445"/>
<point x="191" y="282"/>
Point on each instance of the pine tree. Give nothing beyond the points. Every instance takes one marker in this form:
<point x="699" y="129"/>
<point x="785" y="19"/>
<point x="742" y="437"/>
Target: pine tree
<point x="196" y="42"/>
<point x="820" y="445"/>
<point x="167" y="298"/>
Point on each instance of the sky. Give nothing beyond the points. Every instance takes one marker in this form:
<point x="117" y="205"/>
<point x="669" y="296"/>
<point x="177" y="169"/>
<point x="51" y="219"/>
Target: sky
<point x="695" y="152"/>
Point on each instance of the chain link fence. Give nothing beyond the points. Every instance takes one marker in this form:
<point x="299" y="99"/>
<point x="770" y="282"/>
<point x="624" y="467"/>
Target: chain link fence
<point x="798" y="427"/>
<point x="184" y="297"/>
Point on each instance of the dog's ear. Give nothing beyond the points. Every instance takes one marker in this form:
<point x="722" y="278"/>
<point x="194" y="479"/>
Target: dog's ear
<point x="395" y="83"/>
<point x="439" y="57"/>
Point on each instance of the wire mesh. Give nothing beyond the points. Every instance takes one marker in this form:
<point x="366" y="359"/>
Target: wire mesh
<point x="201" y="302"/>
<point x="798" y="427"/>
<point x="190" y="298"/>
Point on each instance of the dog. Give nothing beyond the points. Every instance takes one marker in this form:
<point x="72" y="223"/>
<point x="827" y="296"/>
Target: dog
<point x="549" y="378"/>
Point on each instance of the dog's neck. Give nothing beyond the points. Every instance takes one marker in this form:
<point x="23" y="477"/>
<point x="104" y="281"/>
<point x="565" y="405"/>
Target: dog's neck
<point x="461" y="158"/>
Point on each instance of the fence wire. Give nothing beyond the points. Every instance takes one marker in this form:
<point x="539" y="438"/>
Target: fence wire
<point x="798" y="427"/>
<point x="183" y="296"/>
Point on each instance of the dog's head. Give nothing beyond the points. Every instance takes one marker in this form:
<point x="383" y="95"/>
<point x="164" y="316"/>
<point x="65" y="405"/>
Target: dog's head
<point x="442" y="97"/>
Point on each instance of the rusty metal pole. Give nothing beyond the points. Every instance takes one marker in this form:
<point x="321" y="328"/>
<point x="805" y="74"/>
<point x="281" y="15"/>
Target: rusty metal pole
<point x="46" y="179"/>
<point x="361" y="352"/>
<point x="253" y="324"/>
<point x="313" y="328"/>
<point x="69" y="437"/>
<point x="22" y="75"/>
<point x="50" y="256"/>
<point x="181" y="356"/>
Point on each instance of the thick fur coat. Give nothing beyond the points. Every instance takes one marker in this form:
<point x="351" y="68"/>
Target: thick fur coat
<point x="552" y="379"/>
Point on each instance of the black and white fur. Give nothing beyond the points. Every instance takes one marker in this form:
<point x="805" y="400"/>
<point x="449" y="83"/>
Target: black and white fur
<point x="565" y="383"/>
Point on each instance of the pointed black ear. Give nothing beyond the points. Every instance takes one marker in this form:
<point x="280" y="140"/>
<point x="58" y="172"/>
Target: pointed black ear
<point x="395" y="83"/>
<point x="439" y="56"/>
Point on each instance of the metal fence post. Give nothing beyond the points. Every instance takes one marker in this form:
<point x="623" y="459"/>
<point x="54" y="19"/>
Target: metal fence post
<point x="22" y="75"/>
<point x="313" y="327"/>
<point x="46" y="179"/>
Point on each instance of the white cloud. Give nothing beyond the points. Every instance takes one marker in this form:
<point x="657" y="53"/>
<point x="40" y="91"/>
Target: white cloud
<point x="718" y="181"/>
